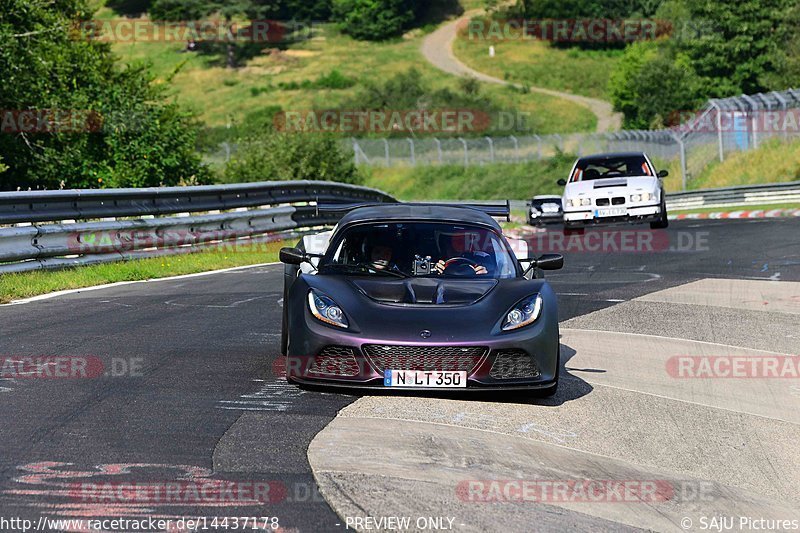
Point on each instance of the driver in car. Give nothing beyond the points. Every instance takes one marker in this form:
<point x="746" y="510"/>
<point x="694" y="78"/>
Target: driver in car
<point x="451" y="252"/>
<point x="381" y="258"/>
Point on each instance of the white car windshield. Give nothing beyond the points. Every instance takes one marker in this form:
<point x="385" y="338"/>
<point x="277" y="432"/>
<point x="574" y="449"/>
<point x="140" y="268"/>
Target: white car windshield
<point x="610" y="167"/>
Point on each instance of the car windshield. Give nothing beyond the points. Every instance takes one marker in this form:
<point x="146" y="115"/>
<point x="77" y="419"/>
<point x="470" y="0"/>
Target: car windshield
<point x="610" y="167"/>
<point x="420" y="249"/>
<point x="539" y="202"/>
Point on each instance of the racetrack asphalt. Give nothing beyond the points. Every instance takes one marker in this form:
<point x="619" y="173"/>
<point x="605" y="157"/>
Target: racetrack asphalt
<point x="198" y="398"/>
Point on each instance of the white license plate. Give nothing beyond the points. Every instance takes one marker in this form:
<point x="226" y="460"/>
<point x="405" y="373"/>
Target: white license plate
<point x="425" y="378"/>
<point x="613" y="212"/>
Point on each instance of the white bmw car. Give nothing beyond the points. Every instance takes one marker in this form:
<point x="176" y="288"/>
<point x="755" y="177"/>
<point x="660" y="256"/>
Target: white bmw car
<point x="614" y="188"/>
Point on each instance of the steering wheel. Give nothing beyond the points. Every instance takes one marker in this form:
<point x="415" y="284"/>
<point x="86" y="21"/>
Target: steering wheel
<point x="460" y="266"/>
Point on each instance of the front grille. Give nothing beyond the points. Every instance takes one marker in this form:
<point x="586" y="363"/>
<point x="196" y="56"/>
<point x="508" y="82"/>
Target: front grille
<point x="398" y="357"/>
<point x="618" y="200"/>
<point x="602" y="201"/>
<point x="511" y="364"/>
<point x="335" y="361"/>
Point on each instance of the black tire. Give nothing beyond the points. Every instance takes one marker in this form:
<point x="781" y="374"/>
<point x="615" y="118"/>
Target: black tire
<point x="663" y="221"/>
<point x="284" y="327"/>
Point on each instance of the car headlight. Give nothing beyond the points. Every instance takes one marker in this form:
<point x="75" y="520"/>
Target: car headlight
<point x="643" y="197"/>
<point x="524" y="313"/>
<point x="585" y="201"/>
<point x="326" y="310"/>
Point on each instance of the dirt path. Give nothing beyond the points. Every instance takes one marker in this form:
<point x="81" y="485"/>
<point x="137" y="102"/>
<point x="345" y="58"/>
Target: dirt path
<point x="438" y="50"/>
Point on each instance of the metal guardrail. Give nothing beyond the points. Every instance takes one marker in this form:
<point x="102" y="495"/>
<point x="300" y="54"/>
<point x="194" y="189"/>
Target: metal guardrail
<point x="56" y="229"/>
<point x="743" y="195"/>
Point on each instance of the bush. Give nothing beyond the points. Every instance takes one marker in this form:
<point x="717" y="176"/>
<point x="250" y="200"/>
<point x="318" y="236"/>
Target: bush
<point x="375" y="20"/>
<point x="286" y="156"/>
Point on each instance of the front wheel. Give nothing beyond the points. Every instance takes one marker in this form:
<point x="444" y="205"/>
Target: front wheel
<point x="663" y="221"/>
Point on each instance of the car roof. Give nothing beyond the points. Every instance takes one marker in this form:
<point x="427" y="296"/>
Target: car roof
<point x="418" y="212"/>
<point x="612" y="155"/>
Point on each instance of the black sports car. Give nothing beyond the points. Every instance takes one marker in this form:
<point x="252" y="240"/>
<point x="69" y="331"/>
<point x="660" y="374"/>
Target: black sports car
<point x="419" y="295"/>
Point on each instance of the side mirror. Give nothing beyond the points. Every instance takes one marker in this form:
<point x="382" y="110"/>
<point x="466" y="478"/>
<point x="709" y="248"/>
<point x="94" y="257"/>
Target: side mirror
<point x="549" y="261"/>
<point x="663" y="173"/>
<point x="562" y="182"/>
<point x="291" y="256"/>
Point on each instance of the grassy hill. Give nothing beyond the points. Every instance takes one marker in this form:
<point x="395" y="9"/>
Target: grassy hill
<point x="538" y="64"/>
<point x="486" y="182"/>
<point x="220" y="95"/>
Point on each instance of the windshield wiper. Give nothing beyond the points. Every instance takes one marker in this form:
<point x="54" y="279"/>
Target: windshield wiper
<point x="362" y="268"/>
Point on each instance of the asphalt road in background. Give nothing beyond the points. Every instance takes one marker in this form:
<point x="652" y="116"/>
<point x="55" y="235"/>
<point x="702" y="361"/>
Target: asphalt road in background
<point x="187" y="389"/>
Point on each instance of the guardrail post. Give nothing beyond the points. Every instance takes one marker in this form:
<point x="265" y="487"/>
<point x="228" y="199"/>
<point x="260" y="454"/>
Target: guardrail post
<point x="386" y="151"/>
<point x="538" y="147"/>
<point x="491" y="148"/>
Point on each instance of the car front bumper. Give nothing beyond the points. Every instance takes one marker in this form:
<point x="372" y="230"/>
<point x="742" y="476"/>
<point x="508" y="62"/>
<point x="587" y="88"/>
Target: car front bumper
<point x="526" y="359"/>
<point x="633" y="215"/>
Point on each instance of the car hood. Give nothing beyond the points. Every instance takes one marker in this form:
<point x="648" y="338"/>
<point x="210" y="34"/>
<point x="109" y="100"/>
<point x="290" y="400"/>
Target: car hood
<point x="644" y="183"/>
<point x="425" y="291"/>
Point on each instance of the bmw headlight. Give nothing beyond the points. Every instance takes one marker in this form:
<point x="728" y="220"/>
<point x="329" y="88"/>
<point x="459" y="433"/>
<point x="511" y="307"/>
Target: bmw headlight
<point x="643" y="197"/>
<point x="585" y="201"/>
<point x="326" y="310"/>
<point x="524" y="313"/>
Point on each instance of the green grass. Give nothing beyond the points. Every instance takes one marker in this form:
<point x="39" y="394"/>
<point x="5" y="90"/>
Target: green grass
<point x="221" y="96"/>
<point x="537" y="64"/>
<point x="774" y="161"/>
<point x="27" y="284"/>
<point x="488" y="182"/>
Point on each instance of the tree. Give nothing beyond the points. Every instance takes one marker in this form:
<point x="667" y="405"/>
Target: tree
<point x="120" y="128"/>
<point x="375" y="20"/>
<point x="651" y="85"/>
<point x="739" y="42"/>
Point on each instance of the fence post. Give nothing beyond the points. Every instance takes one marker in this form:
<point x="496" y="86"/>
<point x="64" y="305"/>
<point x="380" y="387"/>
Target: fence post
<point x="753" y="122"/>
<point x="538" y="147"/>
<point x="355" y="150"/>
<point x="719" y="129"/>
<point x="516" y="147"/>
<point x="386" y="151"/>
<point x="491" y="148"/>
<point x="682" y="149"/>
<point x="413" y="154"/>
<point x="438" y="149"/>
<point x="466" y="153"/>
